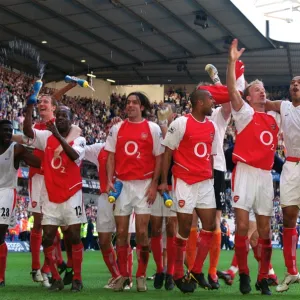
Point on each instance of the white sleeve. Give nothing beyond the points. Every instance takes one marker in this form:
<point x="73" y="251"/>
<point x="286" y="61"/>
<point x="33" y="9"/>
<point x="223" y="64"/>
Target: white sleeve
<point x="242" y="117"/>
<point x="156" y="133"/>
<point x="111" y="140"/>
<point x="284" y="107"/>
<point x="216" y="141"/>
<point x="92" y="153"/>
<point x="175" y="133"/>
<point x="79" y="146"/>
<point x="218" y="118"/>
<point x="40" y="139"/>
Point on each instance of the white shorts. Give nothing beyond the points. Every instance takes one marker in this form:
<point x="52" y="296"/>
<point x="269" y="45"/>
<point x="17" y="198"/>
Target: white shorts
<point x="160" y="210"/>
<point x="290" y="184"/>
<point x="132" y="198"/>
<point x="198" y="195"/>
<point x="252" y="217"/>
<point x="63" y="214"/>
<point x="252" y="189"/>
<point x="8" y="199"/>
<point x="37" y="193"/>
<point x="105" y="215"/>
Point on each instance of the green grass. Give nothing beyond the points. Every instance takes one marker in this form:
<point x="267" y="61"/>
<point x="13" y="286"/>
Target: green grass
<point x="95" y="275"/>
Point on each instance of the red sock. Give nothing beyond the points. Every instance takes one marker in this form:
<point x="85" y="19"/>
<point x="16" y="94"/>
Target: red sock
<point x="122" y="254"/>
<point x="77" y="255"/>
<point x="203" y="246"/>
<point x="241" y="252"/>
<point x="58" y="254"/>
<point x="234" y="262"/>
<point x="179" y="253"/>
<point x="68" y="247"/>
<point x="264" y="254"/>
<point x="143" y="258"/>
<point x="130" y="262"/>
<point x="49" y="255"/>
<point x="109" y="258"/>
<point x="290" y="239"/>
<point x="170" y="255"/>
<point x="156" y="247"/>
<point x="35" y="246"/>
<point x="3" y="257"/>
<point x="255" y="252"/>
<point x="45" y="267"/>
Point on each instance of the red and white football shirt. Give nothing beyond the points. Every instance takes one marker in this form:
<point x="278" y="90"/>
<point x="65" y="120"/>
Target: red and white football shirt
<point x="62" y="175"/>
<point x="257" y="137"/>
<point x="97" y="155"/>
<point x="135" y="146"/>
<point x="193" y="143"/>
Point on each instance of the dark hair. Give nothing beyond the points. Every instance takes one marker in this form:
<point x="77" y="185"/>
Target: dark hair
<point x="144" y="102"/>
<point x="197" y="95"/>
<point x="5" y="122"/>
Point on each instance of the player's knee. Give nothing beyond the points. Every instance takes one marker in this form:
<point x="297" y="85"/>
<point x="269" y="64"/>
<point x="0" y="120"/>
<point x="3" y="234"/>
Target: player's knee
<point x="264" y="231"/>
<point x="142" y="235"/>
<point x="184" y="231"/>
<point x="156" y="232"/>
<point x="37" y="226"/>
<point x="242" y="228"/>
<point x="288" y="222"/>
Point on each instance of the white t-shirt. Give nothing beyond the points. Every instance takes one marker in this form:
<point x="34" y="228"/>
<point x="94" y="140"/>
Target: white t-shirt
<point x="221" y="123"/>
<point x="291" y="128"/>
<point x="92" y="153"/>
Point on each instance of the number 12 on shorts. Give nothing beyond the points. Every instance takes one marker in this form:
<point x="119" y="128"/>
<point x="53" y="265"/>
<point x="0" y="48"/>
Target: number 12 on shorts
<point x="78" y="211"/>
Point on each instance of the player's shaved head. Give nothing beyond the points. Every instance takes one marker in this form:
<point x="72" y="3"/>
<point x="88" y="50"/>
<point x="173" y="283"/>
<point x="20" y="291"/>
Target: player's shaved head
<point x="199" y="95"/>
<point x="67" y="109"/>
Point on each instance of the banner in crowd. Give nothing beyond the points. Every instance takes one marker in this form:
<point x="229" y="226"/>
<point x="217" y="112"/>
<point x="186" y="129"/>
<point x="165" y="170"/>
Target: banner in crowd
<point x="18" y="246"/>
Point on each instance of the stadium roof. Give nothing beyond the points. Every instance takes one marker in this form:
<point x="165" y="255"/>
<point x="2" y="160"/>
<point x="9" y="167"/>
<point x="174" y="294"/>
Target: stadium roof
<point x="142" y="41"/>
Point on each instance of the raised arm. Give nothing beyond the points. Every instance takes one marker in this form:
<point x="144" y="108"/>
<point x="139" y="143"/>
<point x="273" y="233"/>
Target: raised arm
<point x="28" y="131"/>
<point x="58" y="94"/>
<point x="234" y="95"/>
<point x="273" y="105"/>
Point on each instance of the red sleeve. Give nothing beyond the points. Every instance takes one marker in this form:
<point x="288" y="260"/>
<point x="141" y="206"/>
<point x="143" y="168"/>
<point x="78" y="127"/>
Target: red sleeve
<point x="102" y="158"/>
<point x="219" y="92"/>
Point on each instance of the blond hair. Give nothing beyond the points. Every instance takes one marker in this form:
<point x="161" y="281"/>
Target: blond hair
<point x="246" y="91"/>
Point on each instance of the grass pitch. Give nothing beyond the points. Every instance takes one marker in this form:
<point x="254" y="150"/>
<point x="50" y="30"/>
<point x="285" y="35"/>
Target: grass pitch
<point x="95" y="275"/>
